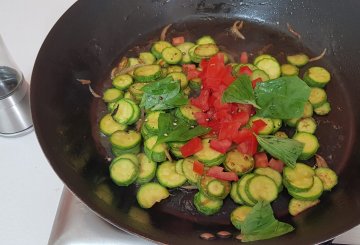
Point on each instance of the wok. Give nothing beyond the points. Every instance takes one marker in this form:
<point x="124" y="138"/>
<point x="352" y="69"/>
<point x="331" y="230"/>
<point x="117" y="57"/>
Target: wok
<point x="92" y="36"/>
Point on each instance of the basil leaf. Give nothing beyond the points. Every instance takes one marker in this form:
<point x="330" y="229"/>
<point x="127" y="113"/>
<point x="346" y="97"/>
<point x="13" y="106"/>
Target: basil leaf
<point x="261" y="224"/>
<point x="282" y="98"/>
<point x="240" y="91"/>
<point x="287" y="150"/>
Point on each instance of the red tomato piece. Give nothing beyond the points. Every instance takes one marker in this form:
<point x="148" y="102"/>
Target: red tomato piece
<point x="245" y="70"/>
<point x="244" y="58"/>
<point x="261" y="160"/>
<point x="248" y="146"/>
<point x="178" y="40"/>
<point x="242" y="117"/>
<point x="191" y="147"/>
<point x="258" y="125"/>
<point x="191" y="74"/>
<point x="215" y="170"/>
<point x="229" y="129"/>
<point x="254" y="82"/>
<point x="243" y="135"/>
<point x="221" y="146"/>
<point x="201" y="118"/>
<point x="247" y="108"/>
<point x="277" y="165"/>
<point x="202" y="100"/>
<point x="198" y="167"/>
<point x="187" y="67"/>
<point x="227" y="176"/>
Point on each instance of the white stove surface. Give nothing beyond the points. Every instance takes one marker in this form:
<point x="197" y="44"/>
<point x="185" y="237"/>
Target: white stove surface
<point x="29" y="187"/>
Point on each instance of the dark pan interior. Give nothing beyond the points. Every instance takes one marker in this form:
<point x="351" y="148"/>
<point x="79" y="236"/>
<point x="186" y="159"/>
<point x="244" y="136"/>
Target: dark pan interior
<point x="93" y="35"/>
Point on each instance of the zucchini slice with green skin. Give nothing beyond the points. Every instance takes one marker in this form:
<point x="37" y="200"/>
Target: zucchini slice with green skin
<point x="298" y="206"/>
<point x="174" y="68"/>
<point x="155" y="152"/>
<point x="270" y="66"/>
<point x="261" y="187"/>
<point x="193" y="57"/>
<point x="308" y="110"/>
<point x="292" y="122"/>
<point x="124" y="140"/>
<point x="151" y="193"/>
<point x="277" y="125"/>
<point x="205" y="40"/>
<point x="184" y="48"/>
<point x="214" y="188"/>
<point x="206" y="205"/>
<point x="268" y="129"/>
<point x="317" y="97"/>
<point x="323" y="110"/>
<point x="175" y="149"/>
<point x="187" y="166"/>
<point x="234" y="194"/>
<point x="289" y="70"/>
<point x="147" y="58"/>
<point x="306" y="125"/>
<point x="261" y="57"/>
<point x="136" y="90"/>
<point x="123" y="81"/>
<point x="238" y="163"/>
<point x="124" y="112"/>
<point x="118" y="152"/>
<point x="281" y="134"/>
<point x="123" y="172"/>
<point x="171" y="55"/>
<point x="310" y="195"/>
<point x="168" y="177"/>
<point x="129" y="156"/>
<point x="179" y="167"/>
<point x="187" y="113"/>
<point x="259" y="74"/>
<point x="299" y="178"/>
<point x="128" y="95"/>
<point x="108" y="125"/>
<point x="317" y="77"/>
<point x="206" y="50"/>
<point x="112" y="95"/>
<point x="147" y="73"/>
<point x="208" y="156"/>
<point x="298" y="59"/>
<point x="147" y="169"/>
<point x="241" y="189"/>
<point x="158" y="47"/>
<point x="180" y="77"/>
<point x="145" y="133"/>
<point x="238" y="216"/>
<point x="328" y="177"/>
<point x="311" y="144"/>
<point x="136" y="114"/>
<point x="272" y="174"/>
<point x="151" y="121"/>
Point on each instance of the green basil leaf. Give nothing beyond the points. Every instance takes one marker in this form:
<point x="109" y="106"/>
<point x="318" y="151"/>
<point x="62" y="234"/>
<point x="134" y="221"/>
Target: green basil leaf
<point x="287" y="150"/>
<point x="282" y="98"/>
<point x="240" y="91"/>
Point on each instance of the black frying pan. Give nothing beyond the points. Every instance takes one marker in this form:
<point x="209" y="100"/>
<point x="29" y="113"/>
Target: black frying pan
<point x="93" y="35"/>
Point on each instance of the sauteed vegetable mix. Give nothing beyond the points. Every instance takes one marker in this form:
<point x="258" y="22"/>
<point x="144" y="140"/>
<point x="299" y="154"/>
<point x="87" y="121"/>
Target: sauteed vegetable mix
<point x="183" y="116"/>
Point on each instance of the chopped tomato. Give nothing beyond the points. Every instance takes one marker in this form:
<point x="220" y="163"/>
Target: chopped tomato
<point x="217" y="172"/>
<point x="244" y="59"/>
<point x="191" y="74"/>
<point x="214" y="170"/>
<point x="258" y="125"/>
<point x="242" y="117"/>
<point x="221" y="146"/>
<point x="243" y="135"/>
<point x="229" y="129"/>
<point x="191" y="147"/>
<point x="261" y="160"/>
<point x="178" y="40"/>
<point x="247" y="108"/>
<point x="198" y="167"/>
<point x="187" y="67"/>
<point x="202" y="100"/>
<point x="201" y="118"/>
<point x="248" y="145"/>
<point x="277" y="165"/>
<point x="245" y="70"/>
<point x="254" y="82"/>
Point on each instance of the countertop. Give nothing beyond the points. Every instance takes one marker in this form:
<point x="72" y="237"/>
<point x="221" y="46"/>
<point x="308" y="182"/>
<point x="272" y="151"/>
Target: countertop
<point x="29" y="187"/>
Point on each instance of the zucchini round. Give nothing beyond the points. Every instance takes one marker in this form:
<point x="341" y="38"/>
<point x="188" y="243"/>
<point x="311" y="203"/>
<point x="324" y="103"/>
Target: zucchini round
<point x="168" y="177"/>
<point x="238" y="163"/>
<point x="206" y="205"/>
<point x="151" y="193"/>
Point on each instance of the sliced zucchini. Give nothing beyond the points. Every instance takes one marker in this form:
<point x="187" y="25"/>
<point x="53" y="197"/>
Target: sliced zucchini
<point x="155" y="152"/>
<point x="308" y="110"/>
<point x="298" y="59"/>
<point x="147" y="169"/>
<point x="238" y="215"/>
<point x="261" y="57"/>
<point x="187" y="166"/>
<point x="194" y="57"/>
<point x="241" y="189"/>
<point x="112" y="95"/>
<point x="147" y="58"/>
<point x="292" y="122"/>
<point x="281" y="134"/>
<point x="136" y="112"/>
<point x="206" y="205"/>
<point x="238" y="163"/>
<point x="311" y="144"/>
<point x="108" y="125"/>
<point x="268" y="129"/>
<point x="168" y="177"/>
<point x="317" y="97"/>
<point x="297" y="206"/>
<point x="179" y="167"/>
<point x="151" y="193"/>
<point x="206" y="50"/>
<point x="184" y="48"/>
<point x="145" y="133"/>
<point x="171" y="55"/>
<point x="234" y="194"/>
<point x="122" y="82"/>
<point x="151" y="122"/>
<point x="272" y="174"/>
<point x="270" y="66"/>
<point x="310" y="195"/>
<point x="317" y="77"/>
<point x="162" y="63"/>
<point x="259" y="74"/>
<point x="128" y="95"/>
<point x="147" y="73"/>
<point x="205" y="40"/>
<point x="328" y="177"/>
<point x="180" y="77"/>
<point x="123" y="172"/>
<point x="118" y="152"/>
<point x="175" y="149"/>
<point x="289" y="70"/>
<point x="125" y="139"/>
<point x="323" y="110"/>
<point x="124" y="112"/>
<point x="306" y="125"/>
<point x="129" y="156"/>
<point x="174" y="68"/>
<point x="187" y="113"/>
<point x="208" y="156"/>
<point x="277" y="125"/>
<point x="261" y="188"/>
<point x="158" y="47"/>
<point x="299" y="178"/>
<point x="214" y="188"/>
<point x="136" y="90"/>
